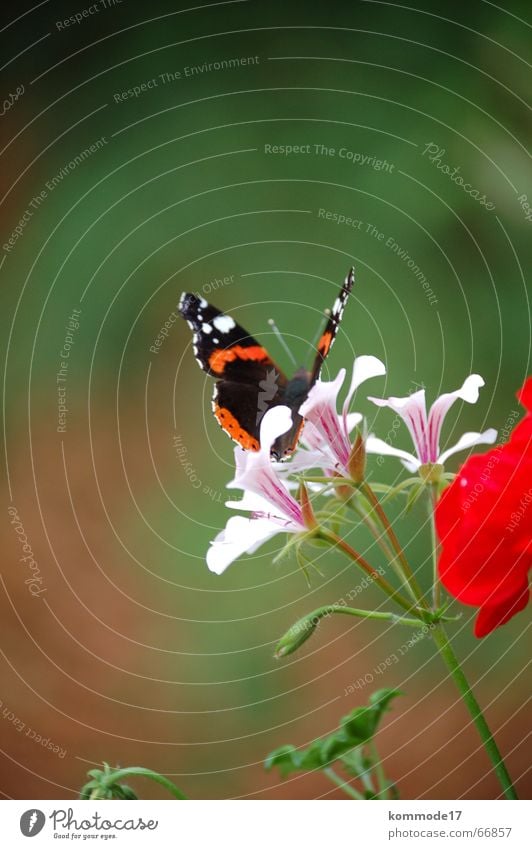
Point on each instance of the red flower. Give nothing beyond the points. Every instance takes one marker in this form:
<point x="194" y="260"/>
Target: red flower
<point x="484" y="522"/>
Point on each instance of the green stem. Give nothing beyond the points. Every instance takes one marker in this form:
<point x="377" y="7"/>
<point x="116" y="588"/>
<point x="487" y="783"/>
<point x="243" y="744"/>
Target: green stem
<point x="433" y="497"/>
<point x="408" y="575"/>
<point x="379" y="772"/>
<point x="449" y="658"/>
<point x="365" y="614"/>
<point x="369" y="570"/>
<point x="378" y="536"/>
<point x="115" y="777"/>
<point x="336" y="779"/>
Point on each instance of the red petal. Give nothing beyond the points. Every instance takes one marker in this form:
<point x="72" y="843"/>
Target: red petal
<point x="493" y="616"/>
<point x="525" y="394"/>
<point x="484" y="523"/>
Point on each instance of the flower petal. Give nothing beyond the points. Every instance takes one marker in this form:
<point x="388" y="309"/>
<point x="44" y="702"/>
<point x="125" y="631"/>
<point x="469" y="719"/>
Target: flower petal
<point x="352" y="420"/>
<point x="469" y="392"/>
<point x="250" y="501"/>
<point x="320" y="410"/>
<point x="255" y="472"/>
<point x="364" y="367"/>
<point x="413" y="411"/>
<point x="491" y="616"/>
<point x="323" y="392"/>
<point x="468" y="440"/>
<point x="273" y="424"/>
<point x="374" y="445"/>
<point x="239" y="536"/>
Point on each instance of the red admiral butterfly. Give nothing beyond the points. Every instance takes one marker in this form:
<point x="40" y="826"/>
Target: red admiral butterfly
<point x="249" y="383"/>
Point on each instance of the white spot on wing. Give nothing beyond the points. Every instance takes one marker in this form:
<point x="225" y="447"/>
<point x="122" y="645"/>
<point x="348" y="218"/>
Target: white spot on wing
<point x="224" y="323"/>
<point x="206" y="328"/>
<point x="203" y="303"/>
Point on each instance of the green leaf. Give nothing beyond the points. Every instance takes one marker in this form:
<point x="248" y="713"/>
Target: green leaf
<point x="106" y="784"/>
<point x="285" y="758"/>
<point x="357" y="728"/>
<point x="356" y="763"/>
<point x="362" y="723"/>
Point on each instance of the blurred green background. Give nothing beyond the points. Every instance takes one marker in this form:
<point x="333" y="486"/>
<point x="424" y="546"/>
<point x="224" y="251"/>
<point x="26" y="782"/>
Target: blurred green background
<point x="135" y="653"/>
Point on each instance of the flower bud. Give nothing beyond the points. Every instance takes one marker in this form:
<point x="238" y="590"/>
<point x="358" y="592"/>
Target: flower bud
<point x="298" y="634"/>
<point x="306" y="508"/>
<point x="357" y="460"/>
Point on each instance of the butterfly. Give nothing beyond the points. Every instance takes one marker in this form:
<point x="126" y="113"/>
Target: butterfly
<point x="248" y="381"/>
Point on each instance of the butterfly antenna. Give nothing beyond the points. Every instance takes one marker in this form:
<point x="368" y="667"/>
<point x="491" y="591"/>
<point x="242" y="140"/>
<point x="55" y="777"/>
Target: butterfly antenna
<point x="282" y="340"/>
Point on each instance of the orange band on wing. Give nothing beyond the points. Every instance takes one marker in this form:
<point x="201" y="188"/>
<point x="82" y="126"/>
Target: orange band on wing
<point x="232" y="427"/>
<point x="219" y="359"/>
<point x="325" y="343"/>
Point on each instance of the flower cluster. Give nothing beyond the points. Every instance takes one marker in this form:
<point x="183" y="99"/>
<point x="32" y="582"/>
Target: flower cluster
<point x="486" y="542"/>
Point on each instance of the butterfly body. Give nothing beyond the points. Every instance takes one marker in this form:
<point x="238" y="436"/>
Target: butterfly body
<point x="249" y="382"/>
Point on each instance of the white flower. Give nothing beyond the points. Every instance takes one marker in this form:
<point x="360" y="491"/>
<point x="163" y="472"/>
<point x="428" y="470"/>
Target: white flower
<point x="326" y="440"/>
<point x="273" y="509"/>
<point x="425" y="430"/>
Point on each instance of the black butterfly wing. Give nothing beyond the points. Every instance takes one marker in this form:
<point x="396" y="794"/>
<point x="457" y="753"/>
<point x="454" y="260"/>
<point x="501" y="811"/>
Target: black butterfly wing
<point x="248" y="381"/>
<point x="299" y="387"/>
<point x="330" y="330"/>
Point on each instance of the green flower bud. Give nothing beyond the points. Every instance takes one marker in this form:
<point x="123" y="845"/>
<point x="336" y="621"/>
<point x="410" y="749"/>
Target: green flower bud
<point x="357" y="460"/>
<point x="298" y="634"/>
